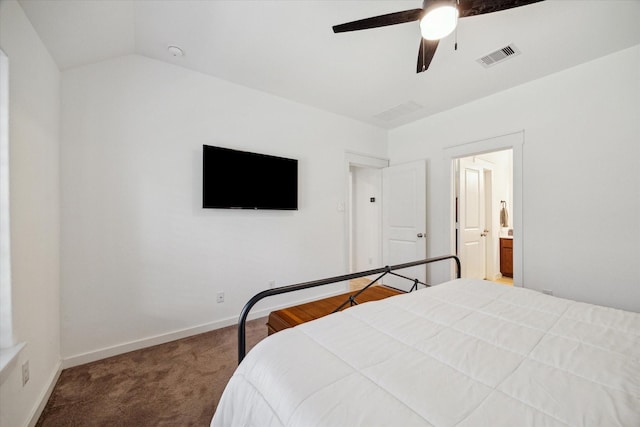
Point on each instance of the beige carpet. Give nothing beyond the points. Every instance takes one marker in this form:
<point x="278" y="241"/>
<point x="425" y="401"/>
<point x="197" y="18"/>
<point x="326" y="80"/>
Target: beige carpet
<point x="173" y="384"/>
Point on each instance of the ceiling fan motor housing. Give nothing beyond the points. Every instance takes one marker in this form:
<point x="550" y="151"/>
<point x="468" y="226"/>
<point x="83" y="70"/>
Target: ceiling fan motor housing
<point x="439" y="20"/>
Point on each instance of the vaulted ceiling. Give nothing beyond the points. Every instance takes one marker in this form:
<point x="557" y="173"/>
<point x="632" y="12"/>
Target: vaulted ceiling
<point x="288" y="49"/>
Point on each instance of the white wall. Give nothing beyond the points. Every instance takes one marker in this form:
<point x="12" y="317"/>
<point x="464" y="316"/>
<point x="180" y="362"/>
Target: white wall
<point x="140" y="257"/>
<point x="34" y="196"/>
<point x="581" y="186"/>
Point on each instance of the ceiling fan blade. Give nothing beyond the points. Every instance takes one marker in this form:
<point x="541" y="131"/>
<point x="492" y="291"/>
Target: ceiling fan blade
<point x="425" y="53"/>
<point x="380" y="21"/>
<point x="479" y="7"/>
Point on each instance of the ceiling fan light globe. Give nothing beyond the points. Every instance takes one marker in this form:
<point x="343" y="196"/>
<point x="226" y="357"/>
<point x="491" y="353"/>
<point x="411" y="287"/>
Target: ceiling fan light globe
<point x="439" y="22"/>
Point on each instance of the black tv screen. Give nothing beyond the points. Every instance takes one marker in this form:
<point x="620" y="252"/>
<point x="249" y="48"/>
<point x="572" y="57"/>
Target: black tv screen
<point x="233" y="179"/>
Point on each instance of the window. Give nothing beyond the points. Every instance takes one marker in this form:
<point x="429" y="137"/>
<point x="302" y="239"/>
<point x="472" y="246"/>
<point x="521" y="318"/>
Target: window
<point x="8" y="348"/>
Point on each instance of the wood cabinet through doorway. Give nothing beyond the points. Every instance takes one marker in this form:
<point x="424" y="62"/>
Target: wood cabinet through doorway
<point x="506" y="257"/>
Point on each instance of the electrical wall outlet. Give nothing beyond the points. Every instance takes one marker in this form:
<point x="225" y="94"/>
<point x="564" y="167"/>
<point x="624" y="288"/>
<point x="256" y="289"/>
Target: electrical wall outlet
<point x="220" y="297"/>
<point x="25" y="373"/>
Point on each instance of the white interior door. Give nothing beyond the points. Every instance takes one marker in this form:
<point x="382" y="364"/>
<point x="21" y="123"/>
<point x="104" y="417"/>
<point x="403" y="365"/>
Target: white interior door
<point x="404" y="219"/>
<point x="471" y="201"/>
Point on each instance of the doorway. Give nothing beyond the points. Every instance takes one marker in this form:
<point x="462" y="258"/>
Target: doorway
<point x="365" y="210"/>
<point x="484" y="193"/>
<point x="386" y="213"/>
<point x="364" y="214"/>
<point x="515" y="229"/>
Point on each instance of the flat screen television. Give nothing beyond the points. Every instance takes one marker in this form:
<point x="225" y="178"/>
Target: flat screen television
<point x="233" y="179"/>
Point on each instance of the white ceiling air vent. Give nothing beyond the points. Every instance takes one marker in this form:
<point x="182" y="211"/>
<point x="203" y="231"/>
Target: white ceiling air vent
<point x="398" y="111"/>
<point x="499" y="55"/>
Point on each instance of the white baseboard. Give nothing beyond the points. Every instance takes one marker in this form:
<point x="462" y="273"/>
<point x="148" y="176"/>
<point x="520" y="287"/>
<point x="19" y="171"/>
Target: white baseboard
<point x="115" y="350"/>
<point x="44" y="397"/>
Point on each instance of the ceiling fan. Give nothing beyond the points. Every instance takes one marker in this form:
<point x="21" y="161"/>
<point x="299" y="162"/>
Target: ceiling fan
<point x="438" y="18"/>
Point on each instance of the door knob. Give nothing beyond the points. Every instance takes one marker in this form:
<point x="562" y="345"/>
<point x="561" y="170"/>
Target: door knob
<point x="420" y="235"/>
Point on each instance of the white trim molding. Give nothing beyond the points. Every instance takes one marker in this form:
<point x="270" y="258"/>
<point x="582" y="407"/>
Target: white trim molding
<point x="7" y="358"/>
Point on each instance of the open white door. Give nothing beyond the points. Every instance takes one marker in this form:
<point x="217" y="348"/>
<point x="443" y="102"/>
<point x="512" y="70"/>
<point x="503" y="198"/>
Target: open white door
<point x="472" y="248"/>
<point x="404" y="220"/>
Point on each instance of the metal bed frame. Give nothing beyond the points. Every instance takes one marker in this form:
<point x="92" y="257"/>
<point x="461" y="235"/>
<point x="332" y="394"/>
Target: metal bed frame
<point x="352" y="298"/>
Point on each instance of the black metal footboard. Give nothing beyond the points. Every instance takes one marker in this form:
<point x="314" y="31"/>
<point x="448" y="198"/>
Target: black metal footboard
<point x="306" y="285"/>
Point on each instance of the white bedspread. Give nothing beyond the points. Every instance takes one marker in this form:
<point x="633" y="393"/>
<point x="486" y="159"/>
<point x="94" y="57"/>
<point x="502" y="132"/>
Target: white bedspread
<point x="465" y="353"/>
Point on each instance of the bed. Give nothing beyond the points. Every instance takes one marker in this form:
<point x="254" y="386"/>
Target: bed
<point x="464" y="353"/>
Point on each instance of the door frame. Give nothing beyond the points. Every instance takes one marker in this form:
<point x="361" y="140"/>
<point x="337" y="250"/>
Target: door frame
<point x="514" y="141"/>
<point x="362" y="161"/>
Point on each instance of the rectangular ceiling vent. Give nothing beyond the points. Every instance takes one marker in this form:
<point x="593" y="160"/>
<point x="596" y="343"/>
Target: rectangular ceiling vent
<point x="398" y="111"/>
<point x="499" y="55"/>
